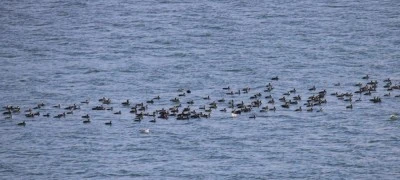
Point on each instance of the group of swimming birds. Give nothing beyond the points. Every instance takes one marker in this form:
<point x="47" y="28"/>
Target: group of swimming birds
<point x="185" y="111"/>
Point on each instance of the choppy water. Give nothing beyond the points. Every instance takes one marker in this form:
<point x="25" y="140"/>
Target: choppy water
<point x="64" y="52"/>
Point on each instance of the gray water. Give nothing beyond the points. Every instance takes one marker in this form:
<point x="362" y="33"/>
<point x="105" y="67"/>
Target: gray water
<point x="64" y="52"/>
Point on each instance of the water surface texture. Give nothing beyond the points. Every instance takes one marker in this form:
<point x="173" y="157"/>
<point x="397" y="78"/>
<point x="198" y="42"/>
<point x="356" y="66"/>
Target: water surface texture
<point x="66" y="52"/>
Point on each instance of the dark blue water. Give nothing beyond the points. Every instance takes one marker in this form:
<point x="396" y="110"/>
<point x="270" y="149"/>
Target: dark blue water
<point x="65" y="52"/>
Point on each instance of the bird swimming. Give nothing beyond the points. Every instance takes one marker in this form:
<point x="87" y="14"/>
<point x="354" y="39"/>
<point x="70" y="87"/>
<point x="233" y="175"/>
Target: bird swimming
<point x="393" y="117"/>
<point x="223" y="104"/>
<point x="144" y="131"/>
<point x="21" y="123"/>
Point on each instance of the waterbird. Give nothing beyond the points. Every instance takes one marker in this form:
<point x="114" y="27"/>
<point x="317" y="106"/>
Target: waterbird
<point x="393" y="117"/>
<point x="30" y="114"/>
<point x="108" y="123"/>
<point x="107" y="101"/>
<point x="246" y="90"/>
<point x="316" y="99"/>
<point x="175" y="100"/>
<point x="376" y="100"/>
<point x="150" y="101"/>
<point x="367" y="93"/>
<point x="21" y="123"/>
<point x="99" y="108"/>
<point x="60" y="115"/>
<point x="286" y="94"/>
<point x="297" y="98"/>
<point x="37" y="107"/>
<point x="268" y="97"/>
<point x="234" y="115"/>
<point x="8" y="112"/>
<point x="153" y="114"/>
<point x="126" y="103"/>
<point x="138" y="119"/>
<point x="86" y="116"/>
<point x="157" y="97"/>
<point x="238" y="92"/>
<point x="273" y="109"/>
<point x="286" y="105"/>
<point x="269" y="89"/>
<point x="293" y="102"/>
<point x="86" y="121"/>
<point x="350" y="100"/>
<point x="144" y="131"/>
<point x="388" y="85"/>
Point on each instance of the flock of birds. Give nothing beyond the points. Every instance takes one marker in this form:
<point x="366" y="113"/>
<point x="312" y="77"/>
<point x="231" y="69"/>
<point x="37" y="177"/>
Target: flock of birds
<point x="184" y="110"/>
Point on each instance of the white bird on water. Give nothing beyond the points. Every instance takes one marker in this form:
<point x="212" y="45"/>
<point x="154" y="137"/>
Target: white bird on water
<point x="234" y="115"/>
<point x="144" y="131"/>
<point x="394" y="116"/>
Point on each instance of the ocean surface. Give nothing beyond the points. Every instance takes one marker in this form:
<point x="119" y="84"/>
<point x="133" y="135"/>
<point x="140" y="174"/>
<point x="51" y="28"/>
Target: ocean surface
<point x="65" y="52"/>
